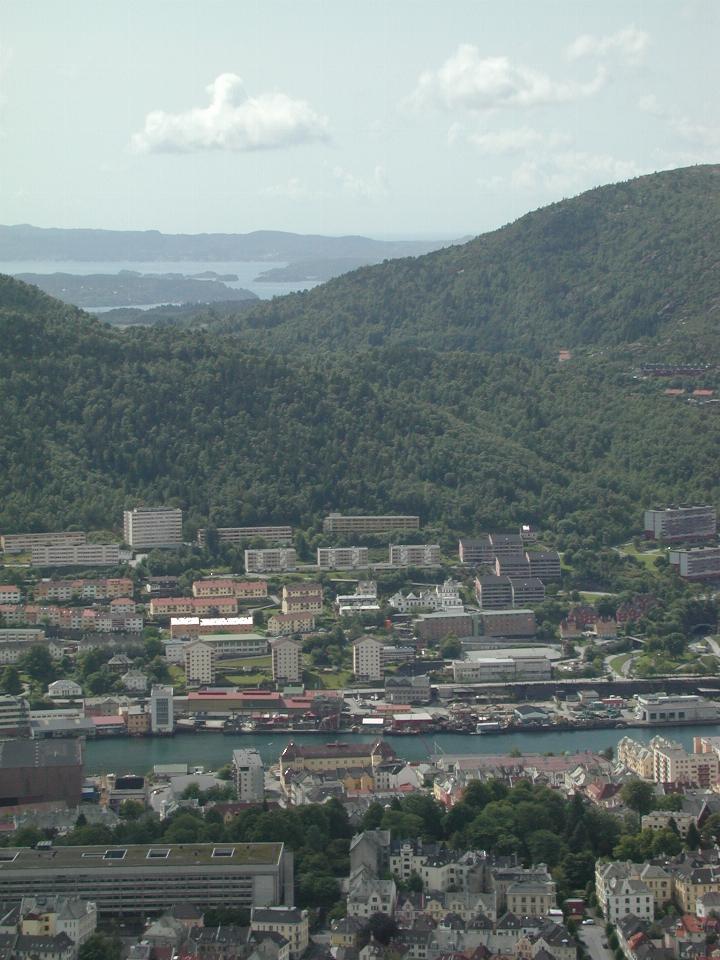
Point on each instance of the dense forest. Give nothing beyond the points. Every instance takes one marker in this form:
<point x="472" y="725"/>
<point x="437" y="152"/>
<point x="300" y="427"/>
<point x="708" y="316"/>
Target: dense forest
<point x="250" y="426"/>
<point x="634" y="261"/>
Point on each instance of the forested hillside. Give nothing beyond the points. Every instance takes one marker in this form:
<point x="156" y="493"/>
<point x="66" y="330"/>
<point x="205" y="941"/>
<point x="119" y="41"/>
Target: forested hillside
<point x="94" y="417"/>
<point x="626" y="262"/>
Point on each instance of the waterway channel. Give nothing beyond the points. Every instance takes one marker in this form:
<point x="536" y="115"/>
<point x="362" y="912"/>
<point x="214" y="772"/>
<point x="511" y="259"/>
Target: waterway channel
<point x="212" y="750"/>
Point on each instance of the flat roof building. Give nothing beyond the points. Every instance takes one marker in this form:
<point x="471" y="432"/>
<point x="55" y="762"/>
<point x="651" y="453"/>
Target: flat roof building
<point x="700" y="563"/>
<point x="40" y="771"/>
<point x="415" y="555"/>
<point x="339" y="523"/>
<point x="151" y="528"/>
<point x="278" y="560"/>
<point x="75" y="555"/>
<point x="342" y="558"/>
<point x="24" y="542"/>
<point x="681" y="523"/>
<point x="152" y="878"/>
<point x="279" y="535"/>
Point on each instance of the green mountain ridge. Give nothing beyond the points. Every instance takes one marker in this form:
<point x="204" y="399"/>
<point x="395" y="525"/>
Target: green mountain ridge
<point x="628" y="262"/>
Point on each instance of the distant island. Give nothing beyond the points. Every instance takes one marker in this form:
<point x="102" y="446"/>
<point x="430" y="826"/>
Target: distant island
<point x="303" y="270"/>
<point x="129" y="288"/>
<point x="24" y="242"/>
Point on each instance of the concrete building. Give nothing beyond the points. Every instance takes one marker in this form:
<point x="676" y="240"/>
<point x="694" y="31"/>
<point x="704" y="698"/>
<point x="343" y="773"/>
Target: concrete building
<point x="700" y="563"/>
<point x="162" y="712"/>
<point x="367" y="658"/>
<point x="501" y="669"/>
<point x="432" y="627"/>
<point x="530" y="590"/>
<point x="415" y="555"/>
<point x="75" y="555"/>
<point x="150" y="528"/>
<point x="192" y="627"/>
<point x="24" y="542"/>
<point x="40" y="771"/>
<point x="14" y="717"/>
<point x="342" y="558"/>
<point x="249" y="776"/>
<point x="142" y="879"/>
<point x="514" y="566"/>
<point x="278" y="535"/>
<point x="230" y="587"/>
<point x="656" y="709"/>
<point x="493" y="592"/>
<point x="302" y="597"/>
<point x="287" y="624"/>
<point x="232" y="645"/>
<point x="199" y="660"/>
<point x="338" y="523"/>
<point x="544" y="564"/>
<point x="288" y="922"/>
<point x="273" y="560"/>
<point x="286" y="656"/>
<point x="476" y="551"/>
<point x="194" y="607"/>
<point x="681" y="523"/>
<point x="507" y="623"/>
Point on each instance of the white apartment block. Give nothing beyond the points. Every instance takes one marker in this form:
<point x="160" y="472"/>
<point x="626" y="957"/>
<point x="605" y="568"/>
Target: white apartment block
<point x="700" y="563"/>
<point x="625" y="897"/>
<point x="368" y="658"/>
<point x="149" y="528"/>
<point x="199" y="663"/>
<point x="286" y="660"/>
<point x="342" y="558"/>
<point x="279" y="535"/>
<point x="249" y="775"/>
<point x="24" y="542"/>
<point x="75" y="555"/>
<point x="681" y="523"/>
<point x="415" y="555"/>
<point x="162" y="718"/>
<point x="659" y="708"/>
<point x="501" y="669"/>
<point x="278" y="560"/>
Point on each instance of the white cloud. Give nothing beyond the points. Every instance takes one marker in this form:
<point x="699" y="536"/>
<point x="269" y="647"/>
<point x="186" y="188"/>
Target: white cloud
<point x="292" y="189"/>
<point x="629" y="43"/>
<point x="232" y="121"/>
<point x="701" y="136"/>
<point x="571" y="172"/>
<point x="507" y="141"/>
<point x="369" y="188"/>
<point x="467" y="80"/>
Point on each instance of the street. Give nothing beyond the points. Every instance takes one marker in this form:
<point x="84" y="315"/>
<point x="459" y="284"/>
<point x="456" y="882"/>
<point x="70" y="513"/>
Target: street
<point x="593" y="936"/>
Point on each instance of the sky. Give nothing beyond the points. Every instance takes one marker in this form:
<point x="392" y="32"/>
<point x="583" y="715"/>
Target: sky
<point x="402" y="118"/>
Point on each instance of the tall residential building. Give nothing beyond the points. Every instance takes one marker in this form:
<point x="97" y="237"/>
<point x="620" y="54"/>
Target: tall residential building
<point x="162" y="719"/>
<point x="544" y="564"/>
<point x="249" y="776"/>
<point x="415" y="555"/>
<point x="286" y="660"/>
<point x="149" y="528"/>
<point x="681" y="523"/>
<point x="494" y="593"/>
<point x="199" y="663"/>
<point x="367" y="658"/>
<point x="278" y="560"/>
<point x="476" y="550"/>
<point x="342" y="558"/>
<point x="75" y="555"/>
<point x="338" y="523"/>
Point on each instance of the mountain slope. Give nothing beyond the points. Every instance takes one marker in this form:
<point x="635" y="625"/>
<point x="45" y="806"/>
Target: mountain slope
<point x="617" y="264"/>
<point x="94" y="417"/>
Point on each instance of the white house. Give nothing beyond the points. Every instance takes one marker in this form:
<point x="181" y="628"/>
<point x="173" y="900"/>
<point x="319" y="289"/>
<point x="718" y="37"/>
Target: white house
<point x="64" y="688"/>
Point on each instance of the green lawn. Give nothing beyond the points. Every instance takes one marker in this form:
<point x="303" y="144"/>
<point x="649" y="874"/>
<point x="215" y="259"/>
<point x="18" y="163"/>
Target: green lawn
<point x="617" y="662"/>
<point x="646" y="557"/>
<point x="335" y="680"/>
<point x="239" y="662"/>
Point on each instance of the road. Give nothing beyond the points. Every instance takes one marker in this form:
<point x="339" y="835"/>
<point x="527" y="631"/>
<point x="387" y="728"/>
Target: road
<point x="594" y="937"/>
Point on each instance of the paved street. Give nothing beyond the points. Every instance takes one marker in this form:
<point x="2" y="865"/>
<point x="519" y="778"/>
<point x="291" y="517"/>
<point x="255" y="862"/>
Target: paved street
<point x="593" y="937"/>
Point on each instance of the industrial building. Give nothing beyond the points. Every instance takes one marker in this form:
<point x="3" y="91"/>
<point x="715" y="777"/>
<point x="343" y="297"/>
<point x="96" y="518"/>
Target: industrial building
<point x="34" y="772"/>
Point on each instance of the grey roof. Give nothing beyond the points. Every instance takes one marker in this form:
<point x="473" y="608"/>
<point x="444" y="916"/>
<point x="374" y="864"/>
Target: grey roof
<point x="276" y="915"/>
<point x="40" y="753"/>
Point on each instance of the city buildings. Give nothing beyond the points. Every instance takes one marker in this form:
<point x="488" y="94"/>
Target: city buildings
<point x="700" y="563"/>
<point x="415" y="555"/>
<point x="24" y="542"/>
<point x="272" y="560"/>
<point x="501" y="669"/>
<point x="151" y="528"/>
<point x="286" y="624"/>
<point x="338" y="523"/>
<point x="665" y="761"/>
<point x="507" y="623"/>
<point x="249" y="775"/>
<point x="476" y="551"/>
<point x="364" y="600"/>
<point x="331" y="757"/>
<point x="225" y="606"/>
<point x="445" y="596"/>
<point x="199" y="658"/>
<point x="190" y="627"/>
<point x="544" y="565"/>
<point x="342" y="558"/>
<point x="287" y="922"/>
<point x="493" y="592"/>
<point x="278" y="535"/>
<point x="303" y="596"/>
<point x="230" y="587"/>
<point x="162" y="716"/>
<point x="681" y="523"/>
<point x="286" y="655"/>
<point x="75" y="555"/>
<point x="14" y="717"/>
<point x="146" y="879"/>
<point x="367" y="658"/>
<point x="432" y="627"/>
<point x="659" y="708"/>
<point x="530" y="590"/>
<point x="64" y="688"/>
<point x="9" y="593"/>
